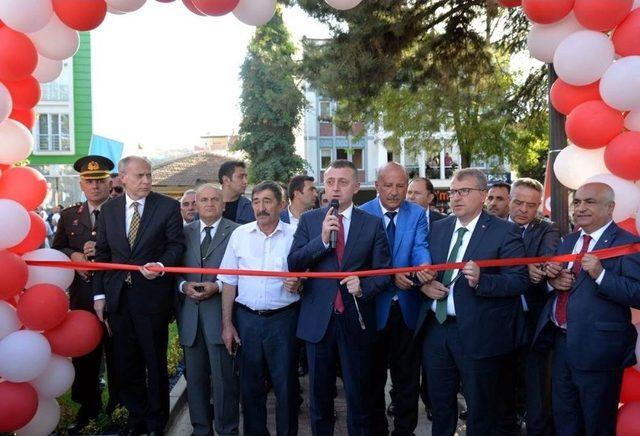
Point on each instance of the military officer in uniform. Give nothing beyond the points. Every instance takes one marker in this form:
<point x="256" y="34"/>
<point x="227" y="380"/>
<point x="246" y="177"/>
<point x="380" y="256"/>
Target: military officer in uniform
<point x="75" y="237"/>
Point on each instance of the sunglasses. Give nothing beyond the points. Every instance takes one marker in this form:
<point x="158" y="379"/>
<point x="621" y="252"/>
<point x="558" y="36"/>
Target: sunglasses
<point x="117" y="189"/>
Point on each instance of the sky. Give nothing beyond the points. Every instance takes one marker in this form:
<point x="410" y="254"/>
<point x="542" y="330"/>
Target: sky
<point x="163" y="77"/>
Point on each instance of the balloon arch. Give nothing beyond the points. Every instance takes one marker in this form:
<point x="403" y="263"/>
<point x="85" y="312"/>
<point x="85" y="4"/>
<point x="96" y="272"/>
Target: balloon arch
<point x="593" y="44"/>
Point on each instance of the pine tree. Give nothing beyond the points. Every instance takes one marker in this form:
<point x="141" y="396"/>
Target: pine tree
<point x="271" y="104"/>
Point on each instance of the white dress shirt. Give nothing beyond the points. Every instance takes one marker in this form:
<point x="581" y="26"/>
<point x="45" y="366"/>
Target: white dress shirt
<point x="214" y="227"/>
<point x="250" y="249"/>
<point x="292" y="220"/>
<point x="595" y="237"/>
<point x="451" y="309"/>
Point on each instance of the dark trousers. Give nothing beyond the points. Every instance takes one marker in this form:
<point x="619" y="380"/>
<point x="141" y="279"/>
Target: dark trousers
<point x="110" y="366"/>
<point x="446" y="365"/>
<point x="268" y="349"/>
<point x="584" y="402"/>
<point x="140" y="342"/>
<point x="356" y="366"/>
<point x="396" y="351"/>
<point x="211" y="371"/>
<point x="86" y="384"/>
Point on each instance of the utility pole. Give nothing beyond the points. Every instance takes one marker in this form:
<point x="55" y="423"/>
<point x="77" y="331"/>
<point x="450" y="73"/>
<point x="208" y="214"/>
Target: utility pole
<point x="557" y="141"/>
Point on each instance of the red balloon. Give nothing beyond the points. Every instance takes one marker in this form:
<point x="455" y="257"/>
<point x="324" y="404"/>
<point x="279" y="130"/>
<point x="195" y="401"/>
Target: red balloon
<point x="27" y="117"/>
<point x="594" y="124"/>
<point x="623" y="154"/>
<point x="628" y="423"/>
<point x="546" y="11"/>
<point x="509" y="3"/>
<point x="626" y="37"/>
<point x="13" y="274"/>
<point x="189" y="5"/>
<point x="19" y="405"/>
<point x="25" y="93"/>
<point x="23" y="185"/>
<point x="43" y="307"/>
<point x="601" y="16"/>
<point x="629" y="225"/>
<point x="566" y="98"/>
<point x="215" y="8"/>
<point x="79" y="334"/>
<point x="630" y="386"/>
<point x="35" y="238"/>
<point x="18" y="55"/>
<point x="82" y="15"/>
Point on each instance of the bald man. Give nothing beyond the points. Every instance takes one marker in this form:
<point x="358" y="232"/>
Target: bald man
<point x="587" y="320"/>
<point x="397" y="307"/>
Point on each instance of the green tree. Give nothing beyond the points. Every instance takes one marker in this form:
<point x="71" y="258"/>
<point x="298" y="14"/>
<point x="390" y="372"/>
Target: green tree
<point x="271" y="104"/>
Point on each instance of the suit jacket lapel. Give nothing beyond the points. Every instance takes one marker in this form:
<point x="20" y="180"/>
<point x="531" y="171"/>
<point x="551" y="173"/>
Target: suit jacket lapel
<point x="476" y="237"/>
<point x="221" y="233"/>
<point x="354" y="234"/>
<point x="401" y="224"/>
<point x="445" y="239"/>
<point x="194" y="239"/>
<point x="121" y="217"/>
<point x="85" y="217"/>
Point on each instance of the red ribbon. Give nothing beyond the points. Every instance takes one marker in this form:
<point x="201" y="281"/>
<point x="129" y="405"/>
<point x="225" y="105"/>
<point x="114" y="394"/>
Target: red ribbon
<point x="606" y="253"/>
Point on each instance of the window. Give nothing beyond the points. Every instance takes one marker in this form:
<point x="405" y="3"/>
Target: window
<point x="325" y="157"/>
<point x="53" y="132"/>
<point x="356" y="158"/>
<point x="342" y="153"/>
<point x="325" y="109"/>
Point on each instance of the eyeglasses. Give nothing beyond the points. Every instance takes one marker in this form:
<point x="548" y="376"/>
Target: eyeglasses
<point x="464" y="192"/>
<point x="117" y="189"/>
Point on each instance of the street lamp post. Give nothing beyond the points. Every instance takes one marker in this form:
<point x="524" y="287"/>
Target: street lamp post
<point x="557" y="141"/>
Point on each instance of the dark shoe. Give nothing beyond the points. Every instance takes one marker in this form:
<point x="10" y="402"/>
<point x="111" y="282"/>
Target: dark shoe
<point x="76" y="426"/>
<point x="464" y="414"/>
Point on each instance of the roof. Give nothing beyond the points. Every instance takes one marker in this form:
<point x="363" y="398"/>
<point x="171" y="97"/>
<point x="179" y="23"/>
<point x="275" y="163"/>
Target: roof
<point x="189" y="171"/>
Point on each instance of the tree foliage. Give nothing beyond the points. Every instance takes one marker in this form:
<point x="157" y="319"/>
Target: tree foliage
<point x="271" y="104"/>
<point x="417" y="67"/>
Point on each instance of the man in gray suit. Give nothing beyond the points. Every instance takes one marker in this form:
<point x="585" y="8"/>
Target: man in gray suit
<point x="201" y="320"/>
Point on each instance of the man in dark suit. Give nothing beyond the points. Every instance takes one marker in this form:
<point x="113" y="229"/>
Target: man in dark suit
<point x="498" y="199"/>
<point x="75" y="237"/>
<point x="526" y="379"/>
<point x="587" y="320"/>
<point x="140" y="228"/>
<point x="397" y="307"/>
<point x="422" y="192"/>
<point x="232" y="176"/>
<point x="302" y="197"/>
<point x="201" y="320"/>
<point x="468" y="316"/>
<point x="337" y="317"/>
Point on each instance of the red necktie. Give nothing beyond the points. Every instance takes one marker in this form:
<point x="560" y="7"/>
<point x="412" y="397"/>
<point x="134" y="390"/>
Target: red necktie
<point x="338" y="304"/>
<point x="563" y="296"/>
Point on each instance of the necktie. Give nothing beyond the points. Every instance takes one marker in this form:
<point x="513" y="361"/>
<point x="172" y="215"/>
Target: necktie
<point x="391" y="230"/>
<point x="135" y="224"/>
<point x="206" y="242"/>
<point x="133" y="232"/>
<point x="338" y="304"/>
<point x="523" y="229"/>
<point x="441" y="305"/>
<point x="563" y="296"/>
<point x="94" y="218"/>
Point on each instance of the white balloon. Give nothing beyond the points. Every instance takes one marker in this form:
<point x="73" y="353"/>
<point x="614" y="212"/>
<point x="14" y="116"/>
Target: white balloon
<point x="16" y="141"/>
<point x="636" y="5"/>
<point x="114" y="11"/>
<point x="6" y="103"/>
<point x="9" y="321"/>
<point x="583" y="57"/>
<point x="627" y="195"/>
<point x="61" y="277"/>
<point x="543" y="39"/>
<point x="574" y="165"/>
<point x="14" y="223"/>
<point x="126" y="5"/>
<point x="620" y="84"/>
<point x="255" y="12"/>
<point x="24" y="355"/>
<point x="632" y="121"/>
<point x="56" y="40"/>
<point x="26" y="15"/>
<point x="47" y="69"/>
<point x="343" y="5"/>
<point x="45" y="420"/>
<point x="56" y="379"/>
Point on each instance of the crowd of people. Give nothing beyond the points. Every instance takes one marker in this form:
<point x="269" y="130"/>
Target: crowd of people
<point x="542" y="343"/>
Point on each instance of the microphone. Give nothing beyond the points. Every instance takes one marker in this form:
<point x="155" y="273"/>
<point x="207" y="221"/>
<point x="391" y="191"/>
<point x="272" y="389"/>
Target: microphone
<point x="333" y="236"/>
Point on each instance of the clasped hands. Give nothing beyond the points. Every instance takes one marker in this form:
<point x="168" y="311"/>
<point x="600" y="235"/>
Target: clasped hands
<point x="436" y="290"/>
<point x="200" y="291"/>
<point x="562" y="279"/>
